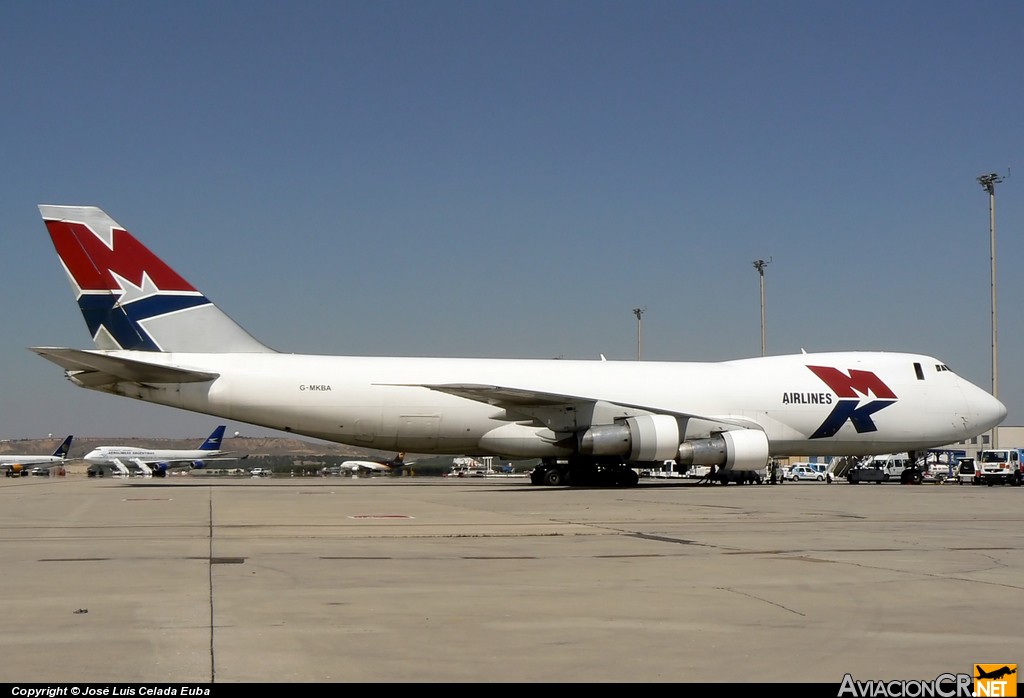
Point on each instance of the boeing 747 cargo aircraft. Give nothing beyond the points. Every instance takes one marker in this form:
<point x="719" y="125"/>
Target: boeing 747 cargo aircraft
<point x="159" y="339"/>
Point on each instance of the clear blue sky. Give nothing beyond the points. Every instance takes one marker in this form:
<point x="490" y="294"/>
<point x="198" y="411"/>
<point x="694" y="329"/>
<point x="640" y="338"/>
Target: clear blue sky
<point x="511" y="179"/>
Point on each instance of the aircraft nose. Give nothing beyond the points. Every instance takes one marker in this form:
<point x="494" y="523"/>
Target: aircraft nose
<point x="998" y="411"/>
<point x="987" y="410"/>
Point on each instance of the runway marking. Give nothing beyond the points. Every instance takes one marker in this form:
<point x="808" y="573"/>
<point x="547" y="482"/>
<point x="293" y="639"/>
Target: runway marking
<point x="380" y="516"/>
<point x="355" y="557"/>
<point x="663" y="539"/>
<point x="499" y="557"/>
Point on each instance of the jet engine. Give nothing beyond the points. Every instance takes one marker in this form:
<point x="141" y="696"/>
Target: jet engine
<point x="739" y="449"/>
<point x="653" y="438"/>
<point x="617" y="448"/>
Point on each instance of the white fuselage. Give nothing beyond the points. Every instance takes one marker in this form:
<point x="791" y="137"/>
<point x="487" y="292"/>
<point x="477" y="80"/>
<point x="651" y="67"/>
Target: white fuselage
<point x="356" y="465"/>
<point x="383" y="403"/>
<point x="125" y="454"/>
<point x="29" y="460"/>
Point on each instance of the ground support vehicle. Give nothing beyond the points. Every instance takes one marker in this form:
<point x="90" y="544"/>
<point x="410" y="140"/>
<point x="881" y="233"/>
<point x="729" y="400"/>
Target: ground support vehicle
<point x="965" y="471"/>
<point x="740" y="477"/>
<point x="897" y="465"/>
<point x="999" y="466"/>
<point x="866" y="473"/>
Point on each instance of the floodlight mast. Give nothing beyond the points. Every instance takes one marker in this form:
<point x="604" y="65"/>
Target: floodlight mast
<point x="639" y="314"/>
<point x="760" y="264"/>
<point x="988" y="183"/>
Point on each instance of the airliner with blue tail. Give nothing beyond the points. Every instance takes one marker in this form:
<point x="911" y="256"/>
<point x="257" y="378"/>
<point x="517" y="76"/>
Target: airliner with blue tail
<point x="18" y="464"/>
<point x="156" y="462"/>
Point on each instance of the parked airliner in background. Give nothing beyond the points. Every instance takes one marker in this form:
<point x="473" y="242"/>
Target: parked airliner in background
<point x="374" y="466"/>
<point x="19" y="464"/>
<point x="160" y="340"/>
<point x="156" y="462"/>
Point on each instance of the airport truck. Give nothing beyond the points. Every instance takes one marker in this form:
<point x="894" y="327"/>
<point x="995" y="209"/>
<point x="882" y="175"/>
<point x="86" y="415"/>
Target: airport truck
<point x="999" y="466"/>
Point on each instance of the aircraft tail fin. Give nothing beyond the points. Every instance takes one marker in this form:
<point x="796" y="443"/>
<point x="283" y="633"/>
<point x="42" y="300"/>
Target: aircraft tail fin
<point x="213" y="441"/>
<point x="129" y="297"/>
<point x="65" y="446"/>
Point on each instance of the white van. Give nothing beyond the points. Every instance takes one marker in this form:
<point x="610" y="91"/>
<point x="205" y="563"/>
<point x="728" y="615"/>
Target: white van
<point x="892" y="465"/>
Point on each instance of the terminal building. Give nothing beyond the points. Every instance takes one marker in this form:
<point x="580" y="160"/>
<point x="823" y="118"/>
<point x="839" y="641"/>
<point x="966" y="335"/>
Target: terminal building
<point x="1005" y="436"/>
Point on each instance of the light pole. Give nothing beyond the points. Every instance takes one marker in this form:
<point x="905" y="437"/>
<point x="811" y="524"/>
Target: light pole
<point x="988" y="183"/>
<point x="639" y="314"/>
<point x="760" y="264"/>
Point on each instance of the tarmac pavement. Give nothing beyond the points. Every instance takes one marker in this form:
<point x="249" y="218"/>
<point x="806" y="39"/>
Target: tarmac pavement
<point x="419" y="579"/>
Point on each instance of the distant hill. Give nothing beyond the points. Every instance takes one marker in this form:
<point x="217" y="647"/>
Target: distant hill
<point x="254" y="446"/>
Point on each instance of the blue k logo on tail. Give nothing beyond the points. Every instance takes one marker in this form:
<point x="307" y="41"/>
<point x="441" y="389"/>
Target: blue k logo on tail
<point x="129" y="298"/>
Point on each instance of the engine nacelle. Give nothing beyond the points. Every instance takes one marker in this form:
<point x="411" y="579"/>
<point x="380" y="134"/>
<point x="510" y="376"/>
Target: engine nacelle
<point x="641" y="439"/>
<point x="649" y="437"/>
<point x="739" y="449"/>
<point x="522" y="441"/>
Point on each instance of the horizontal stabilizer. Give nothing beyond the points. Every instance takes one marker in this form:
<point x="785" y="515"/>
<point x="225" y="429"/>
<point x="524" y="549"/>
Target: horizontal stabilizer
<point x="91" y="369"/>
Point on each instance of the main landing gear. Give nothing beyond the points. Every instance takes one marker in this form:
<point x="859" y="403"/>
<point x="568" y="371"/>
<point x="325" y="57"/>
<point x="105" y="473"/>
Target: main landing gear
<point x="581" y="472"/>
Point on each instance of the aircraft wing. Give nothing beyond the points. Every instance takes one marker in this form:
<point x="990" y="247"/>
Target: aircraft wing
<point x="90" y="369"/>
<point x="502" y="396"/>
<point x="156" y="460"/>
<point x="542" y="405"/>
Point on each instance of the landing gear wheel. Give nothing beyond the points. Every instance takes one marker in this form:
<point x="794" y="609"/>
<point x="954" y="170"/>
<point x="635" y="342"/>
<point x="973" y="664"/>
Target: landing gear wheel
<point x="554" y="477"/>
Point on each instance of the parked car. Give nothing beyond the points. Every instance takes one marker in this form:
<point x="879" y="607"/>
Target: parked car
<point x="805" y="472"/>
